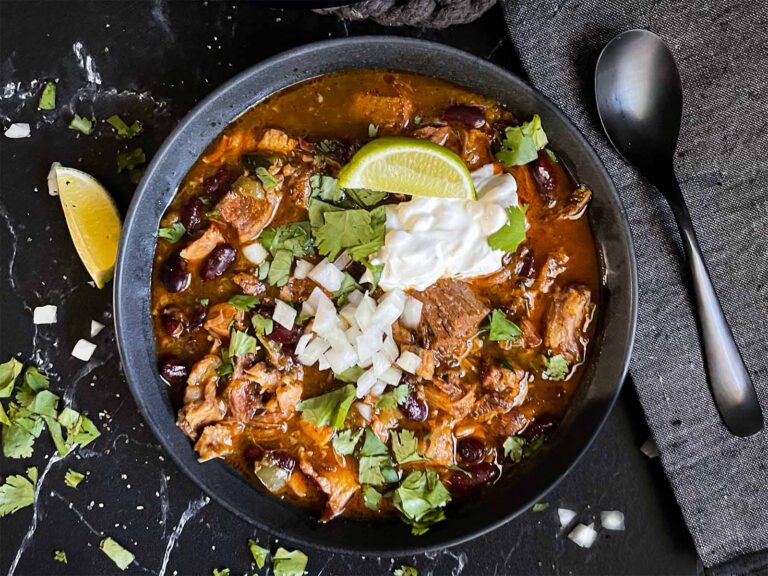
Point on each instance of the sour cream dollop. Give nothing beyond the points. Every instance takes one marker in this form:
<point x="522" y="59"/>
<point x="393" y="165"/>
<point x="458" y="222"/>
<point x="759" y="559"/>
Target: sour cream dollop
<point x="432" y="238"/>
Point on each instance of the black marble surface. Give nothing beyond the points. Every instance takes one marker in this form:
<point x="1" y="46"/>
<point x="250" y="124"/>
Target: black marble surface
<point x="153" y="61"/>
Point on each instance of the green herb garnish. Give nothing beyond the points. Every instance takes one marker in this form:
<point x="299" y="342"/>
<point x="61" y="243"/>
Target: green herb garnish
<point x="18" y="492"/>
<point x="244" y="302"/>
<point x="420" y="499"/>
<point x="119" y="555"/>
<point x="280" y="268"/>
<point x="122" y="129"/>
<point x="405" y="446"/>
<point x="241" y="344"/>
<point x="345" y="442"/>
<point x="373" y="130"/>
<point x="173" y="233"/>
<point x="130" y="159"/>
<point x="329" y="409"/>
<point x="522" y="143"/>
<point x="513" y="448"/>
<point x="502" y="328"/>
<point x="259" y="553"/>
<point x="48" y="97"/>
<point x="285" y="563"/>
<point x="267" y="180"/>
<point x="262" y="325"/>
<point x="326" y="188"/>
<point x="393" y="398"/>
<point x="84" y="125"/>
<point x="556" y="367"/>
<point x="512" y="234"/>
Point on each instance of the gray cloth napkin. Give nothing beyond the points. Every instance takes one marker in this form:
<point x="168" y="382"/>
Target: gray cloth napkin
<point x="721" y="47"/>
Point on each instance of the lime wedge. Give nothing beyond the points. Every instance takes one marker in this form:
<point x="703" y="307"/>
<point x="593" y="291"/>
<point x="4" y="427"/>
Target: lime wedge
<point x="92" y="219"/>
<point x="408" y="166"/>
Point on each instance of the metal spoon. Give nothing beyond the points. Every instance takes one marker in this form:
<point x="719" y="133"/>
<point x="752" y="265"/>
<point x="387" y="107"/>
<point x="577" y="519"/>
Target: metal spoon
<point x="640" y="102"/>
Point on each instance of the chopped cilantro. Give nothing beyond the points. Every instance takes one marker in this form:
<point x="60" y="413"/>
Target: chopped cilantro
<point x="173" y="233"/>
<point x="280" y="268"/>
<point x="540" y="506"/>
<point x="348" y="284"/>
<point x="9" y="371"/>
<point x="203" y="301"/>
<point x="405" y="446"/>
<point x="362" y="198"/>
<point x="285" y="563"/>
<point x="122" y="129"/>
<point x="263" y="271"/>
<point x="259" y="554"/>
<point x="417" y="120"/>
<point x="522" y="143"/>
<point x="392" y="398"/>
<point x="329" y="409"/>
<point x="267" y="180"/>
<point x="72" y="478"/>
<point x="420" y="499"/>
<point x="241" y="344"/>
<point x="405" y="570"/>
<point x="60" y="556"/>
<point x="81" y="431"/>
<point x="130" y="159"/>
<point x="513" y="448"/>
<point x="371" y="497"/>
<point x="135" y="175"/>
<point x="512" y="234"/>
<point x="376" y="470"/>
<point x="119" y="555"/>
<point x="19" y="437"/>
<point x="222" y="572"/>
<point x="84" y="125"/>
<point x="372" y="445"/>
<point x="350" y="374"/>
<point x="376" y="270"/>
<point x="294" y="237"/>
<point x="351" y="229"/>
<point x="344" y="442"/>
<point x="556" y="367"/>
<point x="551" y="155"/>
<point x="533" y="445"/>
<point x="326" y="188"/>
<point x="48" y="97"/>
<point x="17" y="492"/>
<point x="262" y="325"/>
<point x="244" y="302"/>
<point x="373" y="130"/>
<point x="502" y="328"/>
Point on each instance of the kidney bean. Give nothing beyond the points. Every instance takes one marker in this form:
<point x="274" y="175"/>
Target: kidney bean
<point x="414" y="408"/>
<point x="192" y="215"/>
<point x="173" y="320"/>
<point x="544" y="424"/>
<point x="471" y="116"/>
<point x="471" y="450"/>
<point x="544" y="174"/>
<point x="283" y="459"/>
<point x="217" y="184"/>
<point x="174" y="274"/>
<point x="476" y="476"/>
<point x="282" y="335"/>
<point x="174" y="371"/>
<point x="197" y="317"/>
<point x="217" y="262"/>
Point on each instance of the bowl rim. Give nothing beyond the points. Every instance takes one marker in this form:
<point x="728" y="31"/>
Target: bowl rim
<point x="123" y="294"/>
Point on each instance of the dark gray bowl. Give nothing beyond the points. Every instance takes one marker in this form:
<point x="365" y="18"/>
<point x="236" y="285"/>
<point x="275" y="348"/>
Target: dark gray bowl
<point x="514" y="493"/>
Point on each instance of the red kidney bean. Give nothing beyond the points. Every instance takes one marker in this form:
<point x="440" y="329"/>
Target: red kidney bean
<point x="471" y="450"/>
<point x="174" y="371"/>
<point x="544" y="424"/>
<point x="414" y="408"/>
<point x="217" y="262"/>
<point x="283" y="459"/>
<point x="476" y="476"/>
<point x="174" y="274"/>
<point x="173" y="320"/>
<point x="282" y="335"/>
<point x="471" y="116"/>
<point x="526" y="264"/>
<point x="218" y="184"/>
<point x="544" y="174"/>
<point x="197" y="317"/>
<point x="192" y="215"/>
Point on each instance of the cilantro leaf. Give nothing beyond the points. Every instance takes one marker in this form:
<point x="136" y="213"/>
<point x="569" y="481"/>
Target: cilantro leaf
<point x="72" y="478"/>
<point x="329" y="409"/>
<point x="419" y="498"/>
<point x="262" y="325"/>
<point x="372" y="445"/>
<point x="556" y="367"/>
<point x="81" y="431"/>
<point x="344" y="442"/>
<point x="376" y="470"/>
<point x="405" y="446"/>
<point x="56" y="435"/>
<point x="350" y="374"/>
<point x="540" y="506"/>
<point x="513" y="448"/>
<point x="84" y="125"/>
<point x="119" y="555"/>
<point x="393" y="398"/>
<point x="173" y="233"/>
<point x="285" y="563"/>
<point x="17" y="492"/>
<point x="244" y="302"/>
<point x="130" y="159"/>
<point x="502" y="328"/>
<point x="48" y="97"/>
<point x="280" y="268"/>
<point x="9" y="371"/>
<point x="294" y="237"/>
<point x="259" y="553"/>
<point x="19" y="437"/>
<point x="534" y="445"/>
<point x="343" y="229"/>
<point x="366" y="198"/>
<point x="267" y="180"/>
<point x="522" y="143"/>
<point x="371" y="497"/>
<point x="222" y="572"/>
<point x="512" y="234"/>
<point x="122" y="129"/>
<point x="60" y="556"/>
<point x="348" y="284"/>
<point x="34" y="382"/>
<point x="241" y="344"/>
<point x="326" y="188"/>
<point x="405" y="570"/>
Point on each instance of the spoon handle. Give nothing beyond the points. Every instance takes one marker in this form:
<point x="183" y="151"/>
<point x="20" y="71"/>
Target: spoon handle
<point x="732" y="387"/>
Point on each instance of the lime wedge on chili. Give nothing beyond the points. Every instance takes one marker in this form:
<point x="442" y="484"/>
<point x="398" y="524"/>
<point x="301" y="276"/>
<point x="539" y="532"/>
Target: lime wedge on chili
<point x="408" y="166"/>
<point x="92" y="219"/>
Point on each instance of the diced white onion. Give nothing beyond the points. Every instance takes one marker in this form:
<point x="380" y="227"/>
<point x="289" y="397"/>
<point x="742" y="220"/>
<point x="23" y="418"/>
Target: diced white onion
<point x="53" y="181"/>
<point x="390" y="349"/>
<point x="411" y="313"/>
<point x="364" y="410"/>
<point x="355" y="296"/>
<point x="44" y="315"/>
<point x="311" y="303"/>
<point x="322" y="363"/>
<point x="583" y="536"/>
<point x="327" y="275"/>
<point x="337" y="338"/>
<point x="368" y="343"/>
<point x="566" y="516"/>
<point x="302" y="270"/>
<point x="351" y="334"/>
<point x="301" y="345"/>
<point x="409" y="362"/>
<point x="389" y="309"/>
<point x="612" y="520"/>
<point x="343" y="260"/>
<point x="340" y="360"/>
<point x="366" y="381"/>
<point x="313" y="350"/>
<point x="364" y="313"/>
<point x="650" y="449"/>
<point x="392" y="376"/>
<point x="348" y="314"/>
<point x="380" y="363"/>
<point x="378" y="388"/>
<point x="18" y="130"/>
<point x="255" y="253"/>
<point x="96" y="327"/>
<point x="326" y="320"/>
<point x="284" y="314"/>
<point x="83" y="350"/>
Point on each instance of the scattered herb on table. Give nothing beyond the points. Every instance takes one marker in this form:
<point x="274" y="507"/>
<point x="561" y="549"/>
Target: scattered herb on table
<point x="371" y="498"/>
<point x="289" y="563"/>
<point x="18" y="492"/>
<point x="258" y="552"/>
<point x="60" y="556"/>
<point x="48" y="96"/>
<point x="122" y="129"/>
<point x="130" y="159"/>
<point x="119" y="555"/>
<point x="540" y="506"/>
<point x="84" y="125"/>
<point x="9" y="371"/>
<point x="72" y="478"/>
<point x="405" y="570"/>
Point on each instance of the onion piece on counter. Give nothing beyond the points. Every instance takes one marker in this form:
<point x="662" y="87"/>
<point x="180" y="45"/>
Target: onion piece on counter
<point x="409" y="362"/>
<point x="284" y="314"/>
<point x="583" y="536"/>
<point x="327" y="275"/>
<point x="18" y="130"/>
<point x="566" y="516"/>
<point x="44" y="315"/>
<point x="650" y="449"/>
<point x="302" y="270"/>
<point x="96" y="327"/>
<point x="412" y="313"/>
<point x="53" y="181"/>
<point x="83" y="350"/>
<point x="612" y="520"/>
<point x="255" y="253"/>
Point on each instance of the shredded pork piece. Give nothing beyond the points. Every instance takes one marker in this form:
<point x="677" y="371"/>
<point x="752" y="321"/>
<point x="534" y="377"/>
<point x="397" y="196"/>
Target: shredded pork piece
<point x="565" y="321"/>
<point x="338" y="483"/>
<point x="204" y="245"/>
<point x="217" y="440"/>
